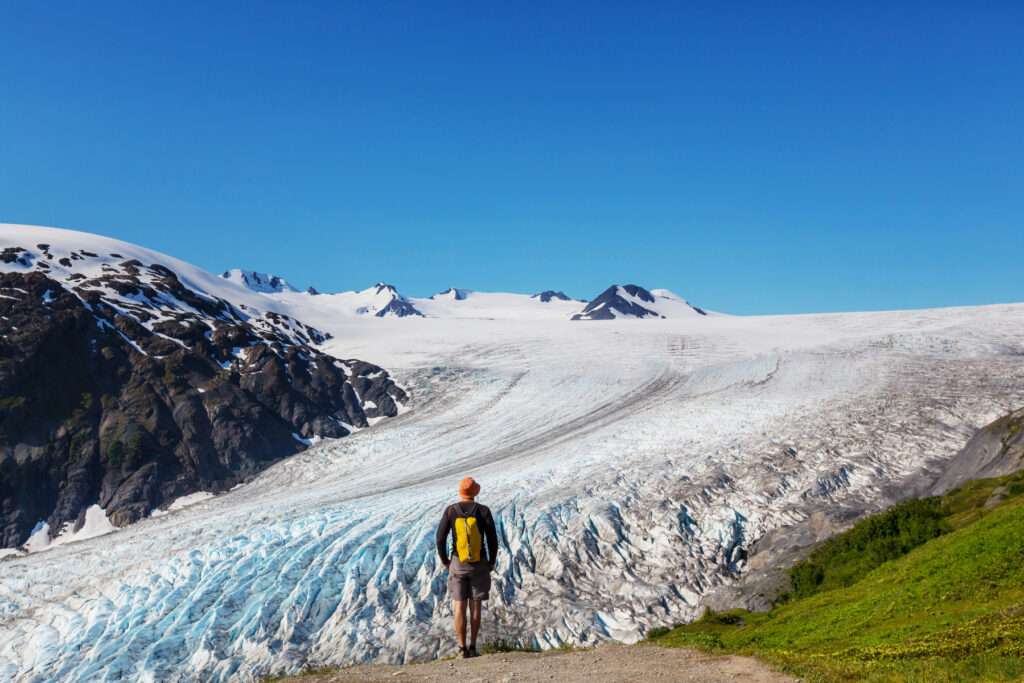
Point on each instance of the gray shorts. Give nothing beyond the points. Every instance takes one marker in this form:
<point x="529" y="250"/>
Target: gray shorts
<point x="469" y="580"/>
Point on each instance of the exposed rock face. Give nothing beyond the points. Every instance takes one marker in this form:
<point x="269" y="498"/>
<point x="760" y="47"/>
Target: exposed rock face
<point x="257" y="282"/>
<point x="619" y="302"/>
<point x="452" y="293"/>
<point x="548" y="295"/>
<point x="130" y="389"/>
<point x="995" y="451"/>
<point x="632" y="301"/>
<point x="384" y="301"/>
<point x="399" y="309"/>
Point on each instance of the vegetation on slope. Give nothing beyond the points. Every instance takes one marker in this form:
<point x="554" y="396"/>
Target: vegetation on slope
<point x="932" y="589"/>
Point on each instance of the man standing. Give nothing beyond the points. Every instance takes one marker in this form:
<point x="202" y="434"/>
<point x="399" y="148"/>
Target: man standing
<point x="469" y="569"/>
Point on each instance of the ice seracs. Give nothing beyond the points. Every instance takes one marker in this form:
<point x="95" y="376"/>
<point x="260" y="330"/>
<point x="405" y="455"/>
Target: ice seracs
<point x="637" y="469"/>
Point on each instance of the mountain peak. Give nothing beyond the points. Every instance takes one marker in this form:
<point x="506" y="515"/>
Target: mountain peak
<point x="550" y="294"/>
<point x="258" y="282"/>
<point x="452" y="293"/>
<point x="633" y="301"/>
<point x="383" y="301"/>
<point x="381" y="288"/>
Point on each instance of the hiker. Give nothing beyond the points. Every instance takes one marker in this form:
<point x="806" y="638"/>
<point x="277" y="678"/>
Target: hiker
<point x="469" y="569"/>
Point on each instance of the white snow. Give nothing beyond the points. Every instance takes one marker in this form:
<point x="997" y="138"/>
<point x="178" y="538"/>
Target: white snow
<point x="257" y="282"/>
<point x="627" y="462"/>
<point x="96" y="524"/>
<point x="183" y="502"/>
<point x="496" y="306"/>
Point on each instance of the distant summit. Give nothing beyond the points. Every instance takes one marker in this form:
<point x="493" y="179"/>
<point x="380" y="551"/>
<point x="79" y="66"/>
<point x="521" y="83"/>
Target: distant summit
<point x="619" y="302"/>
<point x="383" y="301"/>
<point x="257" y="282"/>
<point x="548" y="295"/>
<point x="633" y="301"/>
<point x="451" y="294"/>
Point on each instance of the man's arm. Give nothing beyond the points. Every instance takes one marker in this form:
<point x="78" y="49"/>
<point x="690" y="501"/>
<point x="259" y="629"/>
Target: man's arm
<point x="443" y="530"/>
<point x="492" y="539"/>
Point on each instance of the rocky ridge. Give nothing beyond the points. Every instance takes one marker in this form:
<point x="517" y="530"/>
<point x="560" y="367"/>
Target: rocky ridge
<point x="633" y="301"/>
<point x="384" y="301"/>
<point x="549" y="294"/>
<point x="123" y="386"/>
<point x="259" y="282"/>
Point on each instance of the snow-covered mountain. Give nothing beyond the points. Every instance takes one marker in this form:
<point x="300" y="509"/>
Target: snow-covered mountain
<point x="637" y="470"/>
<point x="384" y="301"/>
<point x="129" y="379"/>
<point x="632" y="301"/>
<point x="549" y="295"/>
<point x="451" y="294"/>
<point x="258" y="282"/>
<point x="468" y="304"/>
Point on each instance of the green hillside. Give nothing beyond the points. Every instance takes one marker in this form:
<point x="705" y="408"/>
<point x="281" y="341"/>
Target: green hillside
<point x="931" y="590"/>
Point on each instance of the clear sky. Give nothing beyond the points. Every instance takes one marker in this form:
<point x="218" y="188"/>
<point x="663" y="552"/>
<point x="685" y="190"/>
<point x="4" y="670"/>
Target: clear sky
<point x="761" y="157"/>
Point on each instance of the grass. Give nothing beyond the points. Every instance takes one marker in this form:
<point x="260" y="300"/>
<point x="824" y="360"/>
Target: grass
<point x="949" y="609"/>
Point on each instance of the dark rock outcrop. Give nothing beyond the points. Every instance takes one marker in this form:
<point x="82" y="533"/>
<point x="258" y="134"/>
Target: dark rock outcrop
<point x="130" y="389"/>
<point x="258" y="282"/>
<point x="997" y="449"/>
<point x="612" y="301"/>
<point x="452" y="293"/>
<point x="398" y="306"/>
<point x="548" y="295"/>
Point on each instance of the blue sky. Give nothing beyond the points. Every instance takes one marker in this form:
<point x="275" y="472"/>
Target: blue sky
<point x="752" y="157"/>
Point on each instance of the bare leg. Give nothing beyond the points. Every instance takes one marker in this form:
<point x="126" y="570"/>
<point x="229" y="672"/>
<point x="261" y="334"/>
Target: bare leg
<point x="460" y="622"/>
<point x="474" y="620"/>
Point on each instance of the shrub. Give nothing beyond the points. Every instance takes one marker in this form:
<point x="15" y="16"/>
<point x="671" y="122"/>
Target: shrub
<point x="501" y="645"/>
<point x="846" y="558"/>
<point x="723" y="618"/>
<point x="804" y="579"/>
<point x="657" y="632"/>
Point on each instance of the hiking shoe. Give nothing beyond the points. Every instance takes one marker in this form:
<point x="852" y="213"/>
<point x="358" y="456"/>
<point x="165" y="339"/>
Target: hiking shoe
<point x="471" y="651"/>
<point x="463" y="653"/>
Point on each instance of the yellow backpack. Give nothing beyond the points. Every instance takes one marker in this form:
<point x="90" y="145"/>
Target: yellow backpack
<point x="468" y="542"/>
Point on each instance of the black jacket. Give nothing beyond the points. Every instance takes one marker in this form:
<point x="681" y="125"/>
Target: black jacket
<point x="483" y="518"/>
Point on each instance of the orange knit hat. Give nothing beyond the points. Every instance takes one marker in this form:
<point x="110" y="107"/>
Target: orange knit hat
<point x="468" y="488"/>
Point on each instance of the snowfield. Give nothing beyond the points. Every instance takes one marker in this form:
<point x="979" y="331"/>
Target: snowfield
<point x="630" y="464"/>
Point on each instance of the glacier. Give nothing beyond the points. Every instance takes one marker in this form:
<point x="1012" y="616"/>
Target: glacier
<point x="630" y="465"/>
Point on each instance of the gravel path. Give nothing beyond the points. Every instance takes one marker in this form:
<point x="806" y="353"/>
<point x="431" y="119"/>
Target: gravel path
<point x="604" y="664"/>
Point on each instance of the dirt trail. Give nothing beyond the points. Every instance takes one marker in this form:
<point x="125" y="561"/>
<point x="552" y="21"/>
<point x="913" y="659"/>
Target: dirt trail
<point x="607" y="663"/>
